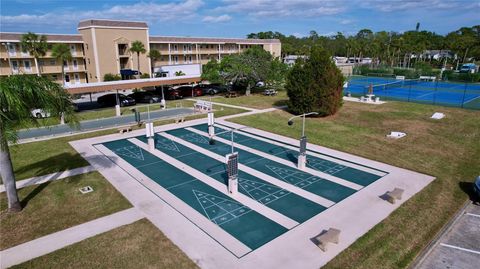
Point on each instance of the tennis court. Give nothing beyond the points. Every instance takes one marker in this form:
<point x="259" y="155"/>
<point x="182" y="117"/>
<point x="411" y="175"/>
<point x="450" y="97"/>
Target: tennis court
<point x="465" y="95"/>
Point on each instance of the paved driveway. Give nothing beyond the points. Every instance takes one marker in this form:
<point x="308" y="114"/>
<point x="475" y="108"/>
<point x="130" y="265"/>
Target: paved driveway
<point x="459" y="247"/>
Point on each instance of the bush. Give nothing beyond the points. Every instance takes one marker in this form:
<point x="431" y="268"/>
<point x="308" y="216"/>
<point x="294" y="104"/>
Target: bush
<point x="145" y="75"/>
<point x="111" y="77"/>
<point x="315" y="85"/>
<point x="462" y="77"/>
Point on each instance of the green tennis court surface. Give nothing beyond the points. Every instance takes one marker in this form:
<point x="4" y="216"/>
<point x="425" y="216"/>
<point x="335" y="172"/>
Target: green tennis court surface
<point x="280" y="200"/>
<point x="338" y="170"/>
<point x="319" y="186"/>
<point x="246" y="225"/>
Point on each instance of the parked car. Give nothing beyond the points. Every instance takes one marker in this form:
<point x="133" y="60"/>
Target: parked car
<point x="170" y="93"/>
<point x="39" y="113"/>
<point x="111" y="100"/>
<point x="187" y="91"/>
<point x="212" y="89"/>
<point x="146" y="97"/>
<point x="476" y="188"/>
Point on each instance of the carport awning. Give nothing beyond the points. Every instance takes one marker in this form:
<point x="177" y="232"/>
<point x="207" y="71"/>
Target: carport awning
<point x="129" y="84"/>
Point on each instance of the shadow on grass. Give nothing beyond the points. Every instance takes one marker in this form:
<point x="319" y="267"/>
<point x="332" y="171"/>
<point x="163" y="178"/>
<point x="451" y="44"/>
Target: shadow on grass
<point x="467" y="187"/>
<point x="59" y="162"/>
<point x="281" y="103"/>
<point x="45" y="166"/>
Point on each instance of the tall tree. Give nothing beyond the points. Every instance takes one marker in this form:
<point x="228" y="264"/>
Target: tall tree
<point x="315" y="85"/>
<point x="35" y="45"/>
<point x="18" y="95"/>
<point x="138" y="47"/>
<point x="154" y="55"/>
<point x="61" y="52"/>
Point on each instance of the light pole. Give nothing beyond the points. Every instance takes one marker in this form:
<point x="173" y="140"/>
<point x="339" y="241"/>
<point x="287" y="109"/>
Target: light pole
<point x="163" y="104"/>
<point x="231" y="162"/>
<point x="302" y="155"/>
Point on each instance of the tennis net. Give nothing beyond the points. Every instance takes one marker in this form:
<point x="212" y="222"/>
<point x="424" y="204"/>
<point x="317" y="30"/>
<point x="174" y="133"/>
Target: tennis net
<point x="393" y="85"/>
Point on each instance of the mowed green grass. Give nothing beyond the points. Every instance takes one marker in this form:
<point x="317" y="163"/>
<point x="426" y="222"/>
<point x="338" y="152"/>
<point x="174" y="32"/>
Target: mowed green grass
<point x="137" y="245"/>
<point x="49" y="156"/>
<point x="57" y="205"/>
<point x="257" y="100"/>
<point x="448" y="149"/>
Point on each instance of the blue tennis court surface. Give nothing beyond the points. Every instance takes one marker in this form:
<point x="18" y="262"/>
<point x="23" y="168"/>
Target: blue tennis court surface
<point x="296" y="198"/>
<point x="466" y="95"/>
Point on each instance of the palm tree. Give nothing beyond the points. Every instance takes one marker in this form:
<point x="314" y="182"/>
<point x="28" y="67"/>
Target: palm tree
<point x="154" y="55"/>
<point x="61" y="52"/>
<point x="138" y="47"/>
<point x="18" y="95"/>
<point x="35" y="45"/>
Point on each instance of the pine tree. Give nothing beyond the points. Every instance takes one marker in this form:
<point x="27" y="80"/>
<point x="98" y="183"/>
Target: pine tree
<point x="315" y="85"/>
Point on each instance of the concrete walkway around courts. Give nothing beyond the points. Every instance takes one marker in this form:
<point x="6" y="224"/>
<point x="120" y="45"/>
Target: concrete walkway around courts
<point x="61" y="239"/>
<point x="50" y="177"/>
<point x="98" y="124"/>
<point x="458" y="246"/>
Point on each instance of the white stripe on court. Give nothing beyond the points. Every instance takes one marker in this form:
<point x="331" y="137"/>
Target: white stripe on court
<point x="315" y="154"/>
<point x="322" y="175"/>
<point x="459" y="248"/>
<point x="223" y="238"/>
<point x="284" y="185"/>
<point x="241" y="198"/>
<point x="473" y="215"/>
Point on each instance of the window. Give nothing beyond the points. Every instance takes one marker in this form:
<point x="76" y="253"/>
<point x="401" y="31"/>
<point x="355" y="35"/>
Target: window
<point x="75" y="65"/>
<point x="41" y="62"/>
<point x="175" y="47"/>
<point x="65" y="65"/>
<point x="27" y="66"/>
<point x="15" y="66"/>
<point x="73" y="50"/>
<point x="175" y="59"/>
<point x="77" y="78"/>
<point x="67" y="78"/>
<point x="53" y="62"/>
<point x="11" y="49"/>
<point x="54" y="77"/>
<point x="184" y="48"/>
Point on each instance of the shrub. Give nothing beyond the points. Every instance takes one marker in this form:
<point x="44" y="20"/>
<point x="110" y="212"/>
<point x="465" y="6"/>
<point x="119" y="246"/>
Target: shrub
<point x="111" y="77"/>
<point x="315" y="85"/>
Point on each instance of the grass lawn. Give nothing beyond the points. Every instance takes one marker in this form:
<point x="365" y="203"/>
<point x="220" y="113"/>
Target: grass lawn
<point x="49" y="156"/>
<point x="137" y="245"/>
<point x="54" y="206"/>
<point x="258" y="100"/>
<point x="447" y="149"/>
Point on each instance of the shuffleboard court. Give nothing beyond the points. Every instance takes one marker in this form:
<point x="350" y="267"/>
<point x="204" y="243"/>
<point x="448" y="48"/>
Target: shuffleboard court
<point x="246" y="225"/>
<point x="338" y="170"/>
<point x="314" y="184"/>
<point x="274" y="197"/>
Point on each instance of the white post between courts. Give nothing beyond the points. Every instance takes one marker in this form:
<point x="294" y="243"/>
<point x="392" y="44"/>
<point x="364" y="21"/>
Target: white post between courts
<point x="211" y="125"/>
<point x="150" y="133"/>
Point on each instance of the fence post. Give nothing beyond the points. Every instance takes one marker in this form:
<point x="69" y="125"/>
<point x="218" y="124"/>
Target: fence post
<point x="464" y="93"/>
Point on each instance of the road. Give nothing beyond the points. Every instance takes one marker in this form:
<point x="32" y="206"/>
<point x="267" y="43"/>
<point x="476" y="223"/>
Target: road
<point x="90" y="125"/>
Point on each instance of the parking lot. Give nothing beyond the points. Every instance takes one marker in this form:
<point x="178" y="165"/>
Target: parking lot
<point x="459" y="246"/>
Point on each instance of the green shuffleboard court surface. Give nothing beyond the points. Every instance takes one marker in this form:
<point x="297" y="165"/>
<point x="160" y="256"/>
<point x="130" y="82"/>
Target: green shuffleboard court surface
<point x="248" y="226"/>
<point x="338" y="170"/>
<point x="321" y="187"/>
<point x="274" y="197"/>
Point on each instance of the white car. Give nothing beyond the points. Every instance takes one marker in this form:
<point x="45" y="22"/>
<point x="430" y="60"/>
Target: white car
<point x="39" y="113"/>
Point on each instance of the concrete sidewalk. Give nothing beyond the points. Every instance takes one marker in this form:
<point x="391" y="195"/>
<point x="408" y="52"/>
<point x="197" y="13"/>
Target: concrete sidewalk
<point x="50" y="177"/>
<point x="50" y="243"/>
<point x="58" y="130"/>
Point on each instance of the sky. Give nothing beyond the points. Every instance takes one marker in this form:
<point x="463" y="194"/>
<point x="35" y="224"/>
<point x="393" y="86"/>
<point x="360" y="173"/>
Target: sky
<point x="237" y="18"/>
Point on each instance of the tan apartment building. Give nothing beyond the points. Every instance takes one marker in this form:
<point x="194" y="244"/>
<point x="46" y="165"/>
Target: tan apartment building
<point x="103" y="46"/>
